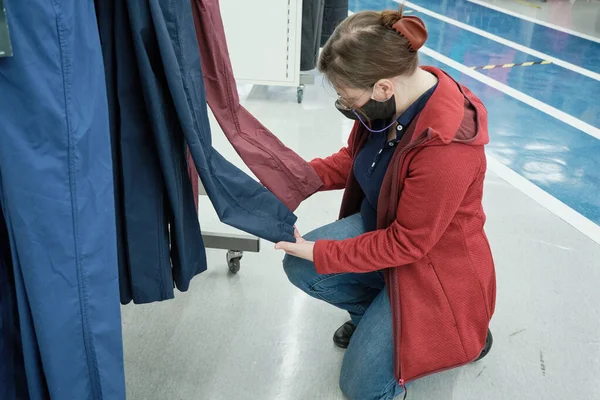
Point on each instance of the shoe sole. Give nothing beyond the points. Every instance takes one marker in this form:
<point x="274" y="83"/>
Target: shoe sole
<point x="341" y="345"/>
<point x="489" y="342"/>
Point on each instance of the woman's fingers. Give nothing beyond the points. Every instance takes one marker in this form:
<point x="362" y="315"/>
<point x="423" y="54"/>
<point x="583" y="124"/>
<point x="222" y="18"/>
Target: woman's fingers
<point x="297" y="234"/>
<point x="285" y="246"/>
<point x="302" y="249"/>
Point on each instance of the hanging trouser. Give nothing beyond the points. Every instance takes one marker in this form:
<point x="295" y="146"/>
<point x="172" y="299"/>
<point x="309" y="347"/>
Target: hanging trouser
<point x="169" y="63"/>
<point x="335" y="12"/>
<point x="158" y="106"/>
<point x="56" y="193"/>
<point x="146" y="272"/>
<point x="107" y="35"/>
<point x="13" y="385"/>
<point x="281" y="170"/>
<point x="312" y="25"/>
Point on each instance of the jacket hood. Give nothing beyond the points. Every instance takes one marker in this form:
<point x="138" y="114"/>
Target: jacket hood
<point x="453" y="113"/>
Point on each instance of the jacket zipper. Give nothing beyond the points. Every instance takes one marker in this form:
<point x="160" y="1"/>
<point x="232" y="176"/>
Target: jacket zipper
<point x="394" y="292"/>
<point x="395" y="300"/>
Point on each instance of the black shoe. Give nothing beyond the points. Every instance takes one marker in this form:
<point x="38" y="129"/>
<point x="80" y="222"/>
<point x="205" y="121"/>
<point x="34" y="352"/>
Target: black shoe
<point x="488" y="346"/>
<point x="341" y="337"/>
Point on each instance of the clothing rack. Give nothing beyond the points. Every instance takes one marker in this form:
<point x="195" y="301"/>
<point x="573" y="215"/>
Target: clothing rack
<point x="235" y="244"/>
<point x="275" y="36"/>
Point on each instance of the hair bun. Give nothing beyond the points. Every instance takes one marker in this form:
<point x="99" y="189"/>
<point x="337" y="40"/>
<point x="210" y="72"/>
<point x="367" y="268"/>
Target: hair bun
<point x="390" y="17"/>
<point x="413" y="29"/>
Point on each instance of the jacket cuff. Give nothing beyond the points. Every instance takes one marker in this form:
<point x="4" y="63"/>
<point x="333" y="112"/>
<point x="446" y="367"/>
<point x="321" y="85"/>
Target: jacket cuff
<point x="314" y="164"/>
<point x="291" y="219"/>
<point x="287" y="233"/>
<point x="321" y="257"/>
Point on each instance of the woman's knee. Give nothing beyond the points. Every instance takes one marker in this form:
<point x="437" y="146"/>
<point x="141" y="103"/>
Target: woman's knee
<point x="367" y="371"/>
<point x="289" y="267"/>
<point x="300" y="272"/>
<point x="357" y="387"/>
<point x="353" y="388"/>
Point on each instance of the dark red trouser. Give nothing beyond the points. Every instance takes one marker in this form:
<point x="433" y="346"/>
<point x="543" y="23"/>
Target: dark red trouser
<point x="282" y="171"/>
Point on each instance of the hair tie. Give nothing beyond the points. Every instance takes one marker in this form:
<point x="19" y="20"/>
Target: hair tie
<point x="413" y="29"/>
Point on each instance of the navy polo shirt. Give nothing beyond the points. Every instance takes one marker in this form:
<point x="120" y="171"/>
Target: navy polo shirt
<point x="373" y="159"/>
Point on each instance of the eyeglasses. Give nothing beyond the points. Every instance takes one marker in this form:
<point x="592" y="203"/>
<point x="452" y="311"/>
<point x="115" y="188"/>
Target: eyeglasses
<point x="342" y="104"/>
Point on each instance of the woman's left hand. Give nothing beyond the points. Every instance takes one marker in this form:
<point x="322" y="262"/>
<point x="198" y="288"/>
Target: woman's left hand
<point x="301" y="249"/>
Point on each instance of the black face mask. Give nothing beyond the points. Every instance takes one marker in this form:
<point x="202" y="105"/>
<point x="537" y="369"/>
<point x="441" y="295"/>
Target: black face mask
<point x="371" y="111"/>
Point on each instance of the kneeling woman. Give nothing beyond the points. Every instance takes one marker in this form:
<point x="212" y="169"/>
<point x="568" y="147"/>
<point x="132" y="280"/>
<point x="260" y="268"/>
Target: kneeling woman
<point x="408" y="259"/>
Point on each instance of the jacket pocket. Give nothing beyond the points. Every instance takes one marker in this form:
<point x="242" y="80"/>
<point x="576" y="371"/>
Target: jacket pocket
<point x="443" y="295"/>
<point x="430" y="338"/>
<point x="449" y="309"/>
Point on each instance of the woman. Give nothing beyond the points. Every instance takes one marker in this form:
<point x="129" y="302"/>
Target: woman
<point x="408" y="259"/>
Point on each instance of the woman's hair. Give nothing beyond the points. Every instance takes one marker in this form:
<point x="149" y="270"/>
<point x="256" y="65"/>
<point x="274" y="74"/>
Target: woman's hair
<point x="367" y="47"/>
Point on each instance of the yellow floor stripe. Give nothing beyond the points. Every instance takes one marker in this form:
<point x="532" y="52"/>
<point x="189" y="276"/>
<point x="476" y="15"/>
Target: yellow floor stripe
<point x="511" y="65"/>
<point x="526" y="3"/>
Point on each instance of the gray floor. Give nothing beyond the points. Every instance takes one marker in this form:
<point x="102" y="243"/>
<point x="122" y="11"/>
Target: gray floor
<point x="254" y="336"/>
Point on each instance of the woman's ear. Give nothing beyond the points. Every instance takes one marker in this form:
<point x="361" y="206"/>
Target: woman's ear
<point x="383" y="90"/>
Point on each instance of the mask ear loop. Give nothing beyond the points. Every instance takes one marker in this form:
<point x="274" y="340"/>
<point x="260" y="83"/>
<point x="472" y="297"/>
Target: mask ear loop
<point x="365" y="124"/>
<point x="373" y="94"/>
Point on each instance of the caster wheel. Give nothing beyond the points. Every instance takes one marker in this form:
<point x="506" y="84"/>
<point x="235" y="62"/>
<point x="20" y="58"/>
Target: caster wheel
<point x="233" y="260"/>
<point x="300" y="93"/>
<point x="234" y="265"/>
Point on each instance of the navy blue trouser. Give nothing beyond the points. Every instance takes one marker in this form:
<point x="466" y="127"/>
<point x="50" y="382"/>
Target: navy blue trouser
<point x="13" y="384"/>
<point x="147" y="218"/>
<point x="57" y="202"/>
<point x="157" y="105"/>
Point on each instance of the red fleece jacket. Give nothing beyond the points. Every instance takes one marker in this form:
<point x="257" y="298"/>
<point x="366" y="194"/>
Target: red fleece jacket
<point x="430" y="237"/>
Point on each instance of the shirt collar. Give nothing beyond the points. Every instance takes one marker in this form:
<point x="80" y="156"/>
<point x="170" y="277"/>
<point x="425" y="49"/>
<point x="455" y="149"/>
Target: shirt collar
<point x="414" y="109"/>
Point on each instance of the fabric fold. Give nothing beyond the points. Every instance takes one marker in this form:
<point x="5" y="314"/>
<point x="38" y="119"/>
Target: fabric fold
<point x="289" y="177"/>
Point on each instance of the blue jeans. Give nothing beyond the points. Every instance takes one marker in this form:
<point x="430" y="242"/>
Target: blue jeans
<point x="368" y="367"/>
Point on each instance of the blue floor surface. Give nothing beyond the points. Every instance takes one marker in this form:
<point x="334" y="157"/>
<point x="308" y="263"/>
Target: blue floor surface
<point x="553" y="155"/>
<point x="573" y="49"/>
